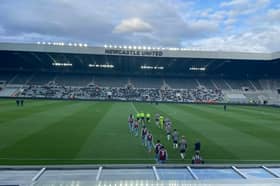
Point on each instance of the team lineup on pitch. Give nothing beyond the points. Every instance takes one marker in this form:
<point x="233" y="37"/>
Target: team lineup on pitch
<point x="77" y="132"/>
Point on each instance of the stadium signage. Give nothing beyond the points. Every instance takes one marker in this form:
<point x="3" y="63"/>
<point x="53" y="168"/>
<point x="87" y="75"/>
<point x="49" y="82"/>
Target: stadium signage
<point x="133" y="52"/>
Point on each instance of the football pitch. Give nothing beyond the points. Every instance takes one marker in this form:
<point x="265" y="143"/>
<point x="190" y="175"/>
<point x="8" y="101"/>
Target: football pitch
<point x="89" y="132"/>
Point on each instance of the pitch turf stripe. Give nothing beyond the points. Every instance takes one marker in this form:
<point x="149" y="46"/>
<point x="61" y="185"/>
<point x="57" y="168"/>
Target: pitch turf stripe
<point x="256" y="128"/>
<point x="268" y="123"/>
<point x="236" y="122"/>
<point x="213" y="127"/>
<point x="264" y="114"/>
<point x="54" y="137"/>
<point x="29" y="109"/>
<point x="111" y="135"/>
<point x="262" y="109"/>
<point x="17" y="130"/>
<point x="246" y="111"/>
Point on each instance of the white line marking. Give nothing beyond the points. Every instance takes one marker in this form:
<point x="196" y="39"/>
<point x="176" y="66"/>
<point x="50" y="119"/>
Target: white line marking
<point x="99" y="173"/>
<point x="156" y="173"/>
<point x="134" y="108"/>
<point x="37" y="176"/>
<point x="192" y="173"/>
<point x="239" y="172"/>
<point x="271" y="172"/>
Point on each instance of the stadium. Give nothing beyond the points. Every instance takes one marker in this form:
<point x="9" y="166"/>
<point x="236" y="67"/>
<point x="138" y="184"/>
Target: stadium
<point x="72" y="126"/>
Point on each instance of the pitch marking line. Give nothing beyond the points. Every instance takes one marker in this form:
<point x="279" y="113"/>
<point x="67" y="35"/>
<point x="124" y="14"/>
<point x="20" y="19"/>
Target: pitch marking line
<point x="134" y="108"/>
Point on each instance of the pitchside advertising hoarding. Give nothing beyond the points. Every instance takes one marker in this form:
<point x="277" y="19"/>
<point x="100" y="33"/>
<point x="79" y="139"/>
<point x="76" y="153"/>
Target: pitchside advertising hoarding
<point x="149" y="53"/>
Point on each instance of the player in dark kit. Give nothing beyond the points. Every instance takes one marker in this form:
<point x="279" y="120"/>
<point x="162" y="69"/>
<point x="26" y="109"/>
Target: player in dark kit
<point x="162" y="155"/>
<point x="144" y="135"/>
<point x="150" y="142"/>
<point x="17" y="102"/>
<point x="197" y="146"/>
<point x="175" y="137"/>
<point x="168" y="131"/>
<point x="197" y="159"/>
<point x="136" y="128"/>
<point x="130" y="123"/>
<point x="225" y="107"/>
<point x="21" y="102"/>
<point x="157" y="148"/>
<point x="183" y="146"/>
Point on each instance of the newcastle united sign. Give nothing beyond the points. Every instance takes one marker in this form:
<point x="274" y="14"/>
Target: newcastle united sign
<point x="151" y="53"/>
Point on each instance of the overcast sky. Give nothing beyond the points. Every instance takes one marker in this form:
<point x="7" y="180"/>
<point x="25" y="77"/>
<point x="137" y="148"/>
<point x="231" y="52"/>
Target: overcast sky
<point x="232" y="25"/>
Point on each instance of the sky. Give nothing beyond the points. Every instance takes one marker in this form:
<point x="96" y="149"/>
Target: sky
<point x="227" y="25"/>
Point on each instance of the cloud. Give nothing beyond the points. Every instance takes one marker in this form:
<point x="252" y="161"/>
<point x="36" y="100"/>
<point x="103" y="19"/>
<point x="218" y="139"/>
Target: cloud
<point x="273" y="15"/>
<point x="251" y="41"/>
<point x="132" y="25"/>
<point x="232" y="24"/>
<point x="244" y="7"/>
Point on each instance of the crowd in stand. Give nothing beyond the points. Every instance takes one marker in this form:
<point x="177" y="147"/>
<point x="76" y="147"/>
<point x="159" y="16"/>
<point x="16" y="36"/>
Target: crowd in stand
<point x="92" y="91"/>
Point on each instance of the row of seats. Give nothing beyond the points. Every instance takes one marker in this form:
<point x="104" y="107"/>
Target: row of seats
<point x="92" y="91"/>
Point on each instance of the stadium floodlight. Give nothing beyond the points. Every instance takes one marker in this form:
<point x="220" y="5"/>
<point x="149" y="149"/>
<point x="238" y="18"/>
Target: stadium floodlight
<point x="49" y="43"/>
<point x="38" y="43"/>
<point x="115" y="46"/>
<point x="129" y="47"/>
<point x="139" y="47"/>
<point x="120" y="47"/>
<point x="197" y="68"/>
<point x="105" y="46"/>
<point x="85" y="45"/>
<point x="153" y="48"/>
<point x="43" y="42"/>
<point x="144" y="47"/>
<point x="134" y="47"/>
<point x="69" y="44"/>
<point x="149" y="48"/>
<point x="75" y="44"/>
<point x="110" y="46"/>
<point x="80" y="45"/>
<point x="158" y="48"/>
<point x="125" y="47"/>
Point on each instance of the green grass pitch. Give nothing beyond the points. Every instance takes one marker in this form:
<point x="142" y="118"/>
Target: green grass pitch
<point x="87" y="132"/>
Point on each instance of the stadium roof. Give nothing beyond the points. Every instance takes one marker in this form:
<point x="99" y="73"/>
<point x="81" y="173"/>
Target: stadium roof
<point x="135" y="51"/>
<point x="133" y="61"/>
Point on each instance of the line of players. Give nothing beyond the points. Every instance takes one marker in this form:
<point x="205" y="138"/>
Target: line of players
<point x="163" y="123"/>
<point x="166" y="124"/>
<point x="146" y="136"/>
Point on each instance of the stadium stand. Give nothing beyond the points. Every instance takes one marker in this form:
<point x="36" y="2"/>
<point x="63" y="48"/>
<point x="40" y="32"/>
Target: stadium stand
<point x="172" y="77"/>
